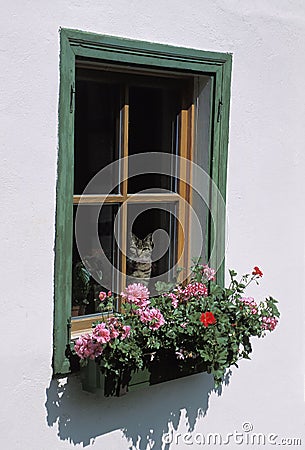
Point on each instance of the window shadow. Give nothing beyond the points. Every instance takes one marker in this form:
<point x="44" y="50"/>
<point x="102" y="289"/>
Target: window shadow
<point x="144" y="416"/>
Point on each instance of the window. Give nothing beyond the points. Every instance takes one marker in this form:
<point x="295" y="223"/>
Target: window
<point x="140" y="125"/>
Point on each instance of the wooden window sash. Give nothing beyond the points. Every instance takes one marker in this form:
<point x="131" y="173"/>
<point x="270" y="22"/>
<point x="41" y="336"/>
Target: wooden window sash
<point x="185" y="149"/>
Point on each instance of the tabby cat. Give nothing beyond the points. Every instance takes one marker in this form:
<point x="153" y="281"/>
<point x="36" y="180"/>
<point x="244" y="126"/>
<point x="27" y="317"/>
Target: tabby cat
<point x="139" y="261"/>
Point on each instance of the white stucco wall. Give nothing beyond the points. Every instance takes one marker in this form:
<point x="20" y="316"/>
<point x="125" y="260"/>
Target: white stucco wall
<point x="265" y="212"/>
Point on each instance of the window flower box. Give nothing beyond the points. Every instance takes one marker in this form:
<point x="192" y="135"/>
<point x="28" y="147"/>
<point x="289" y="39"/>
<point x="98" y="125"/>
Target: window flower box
<point x="94" y="380"/>
<point x="196" y="327"/>
<point x="165" y="367"/>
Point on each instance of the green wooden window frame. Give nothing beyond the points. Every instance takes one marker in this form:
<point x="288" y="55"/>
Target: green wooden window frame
<point x="111" y="49"/>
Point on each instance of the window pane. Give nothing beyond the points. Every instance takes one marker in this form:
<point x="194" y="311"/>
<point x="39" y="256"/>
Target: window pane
<point x="153" y="127"/>
<point x="97" y="123"/>
<point x="201" y="184"/>
<point x="152" y="243"/>
<point x="94" y="234"/>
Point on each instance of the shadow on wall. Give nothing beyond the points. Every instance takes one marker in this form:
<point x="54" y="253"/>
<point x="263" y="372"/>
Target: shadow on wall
<point x="143" y="416"/>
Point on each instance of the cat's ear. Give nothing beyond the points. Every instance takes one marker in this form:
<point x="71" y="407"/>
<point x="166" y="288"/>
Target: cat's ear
<point x="133" y="238"/>
<point x="148" y="238"/>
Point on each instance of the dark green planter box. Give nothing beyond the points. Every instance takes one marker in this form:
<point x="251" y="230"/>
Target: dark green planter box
<point x="161" y="370"/>
<point x="93" y="380"/>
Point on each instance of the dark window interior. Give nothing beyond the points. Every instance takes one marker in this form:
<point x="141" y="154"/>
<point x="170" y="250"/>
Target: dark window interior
<point x="153" y="127"/>
<point x="97" y="122"/>
<point x="90" y="276"/>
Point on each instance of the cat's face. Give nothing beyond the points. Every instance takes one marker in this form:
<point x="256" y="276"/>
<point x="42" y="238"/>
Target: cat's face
<point x="141" y="249"/>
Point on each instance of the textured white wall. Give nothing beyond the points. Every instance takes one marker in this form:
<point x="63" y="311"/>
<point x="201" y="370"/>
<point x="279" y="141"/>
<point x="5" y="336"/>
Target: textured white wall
<point x="265" y="209"/>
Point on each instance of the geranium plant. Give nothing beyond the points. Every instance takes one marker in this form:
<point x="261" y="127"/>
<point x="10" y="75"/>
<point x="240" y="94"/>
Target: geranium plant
<point x="198" y="326"/>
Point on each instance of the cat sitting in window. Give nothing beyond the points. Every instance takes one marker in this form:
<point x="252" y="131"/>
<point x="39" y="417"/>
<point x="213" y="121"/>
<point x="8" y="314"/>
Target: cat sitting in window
<point x="139" y="261"/>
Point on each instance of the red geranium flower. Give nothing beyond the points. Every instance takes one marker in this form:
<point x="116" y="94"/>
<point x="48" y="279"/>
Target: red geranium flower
<point x="257" y="271"/>
<point x="207" y="318"/>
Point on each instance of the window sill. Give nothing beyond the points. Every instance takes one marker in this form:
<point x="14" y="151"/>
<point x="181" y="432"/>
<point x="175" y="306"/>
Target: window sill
<point x="83" y="324"/>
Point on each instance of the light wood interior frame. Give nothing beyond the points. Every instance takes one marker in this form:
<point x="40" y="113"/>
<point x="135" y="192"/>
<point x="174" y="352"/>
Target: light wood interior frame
<point x="141" y="56"/>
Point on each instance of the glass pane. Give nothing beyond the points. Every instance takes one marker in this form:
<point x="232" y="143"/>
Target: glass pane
<point x="95" y="255"/>
<point x="152" y="243"/>
<point x="97" y="123"/>
<point x="200" y="178"/>
<point x="153" y="127"/>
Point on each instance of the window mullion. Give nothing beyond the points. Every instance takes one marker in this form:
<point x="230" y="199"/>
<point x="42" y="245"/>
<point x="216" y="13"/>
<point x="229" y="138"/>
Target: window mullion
<point x="152" y="198"/>
<point x="97" y="199"/>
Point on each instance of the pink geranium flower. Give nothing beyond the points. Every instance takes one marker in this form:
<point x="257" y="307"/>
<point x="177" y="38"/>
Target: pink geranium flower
<point x="269" y="323"/>
<point x="193" y="290"/>
<point x="153" y="316"/>
<point x="114" y="333"/>
<point x="101" y="334"/>
<point x="136" y="293"/>
<point x="102" y="296"/>
<point x="125" y="332"/>
<point x="249" y="301"/>
<point x="86" y="347"/>
<point x="113" y="326"/>
<point x="208" y="273"/>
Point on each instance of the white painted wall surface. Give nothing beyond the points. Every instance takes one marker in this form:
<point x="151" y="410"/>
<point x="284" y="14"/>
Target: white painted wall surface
<point x="265" y="212"/>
